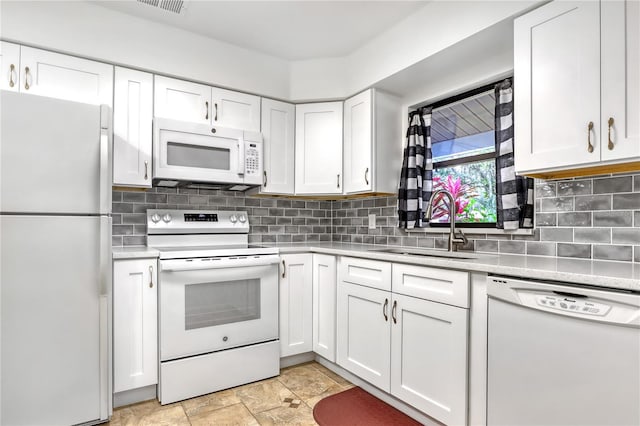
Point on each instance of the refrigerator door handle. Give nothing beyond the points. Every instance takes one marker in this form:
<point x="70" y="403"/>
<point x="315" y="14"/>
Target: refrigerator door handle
<point x="105" y="159"/>
<point x="105" y="291"/>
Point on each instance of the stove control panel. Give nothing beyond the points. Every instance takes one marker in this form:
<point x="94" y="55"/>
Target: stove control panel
<point x="161" y="221"/>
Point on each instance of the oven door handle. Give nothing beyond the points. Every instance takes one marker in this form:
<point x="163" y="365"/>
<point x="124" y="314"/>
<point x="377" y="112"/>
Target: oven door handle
<point x="178" y="265"/>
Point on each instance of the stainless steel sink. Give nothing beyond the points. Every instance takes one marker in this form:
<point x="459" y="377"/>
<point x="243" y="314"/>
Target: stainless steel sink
<point x="430" y="253"/>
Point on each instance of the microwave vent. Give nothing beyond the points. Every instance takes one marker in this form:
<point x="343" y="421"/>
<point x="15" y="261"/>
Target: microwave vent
<point x="175" y="6"/>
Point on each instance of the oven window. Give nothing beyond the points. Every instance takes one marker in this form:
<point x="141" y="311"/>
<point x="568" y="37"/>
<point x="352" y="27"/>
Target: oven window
<point x="179" y="154"/>
<point x="211" y="304"/>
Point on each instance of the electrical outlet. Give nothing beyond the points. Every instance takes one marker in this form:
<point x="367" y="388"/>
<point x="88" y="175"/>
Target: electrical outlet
<point x="372" y="221"/>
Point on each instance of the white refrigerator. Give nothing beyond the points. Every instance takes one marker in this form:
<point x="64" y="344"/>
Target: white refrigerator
<point x="55" y="261"/>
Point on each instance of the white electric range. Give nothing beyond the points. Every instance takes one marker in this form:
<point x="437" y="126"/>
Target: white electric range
<point x="218" y="302"/>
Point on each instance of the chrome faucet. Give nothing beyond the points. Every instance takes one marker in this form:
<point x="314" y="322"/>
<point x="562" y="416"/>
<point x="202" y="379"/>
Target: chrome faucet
<point x="454" y="239"/>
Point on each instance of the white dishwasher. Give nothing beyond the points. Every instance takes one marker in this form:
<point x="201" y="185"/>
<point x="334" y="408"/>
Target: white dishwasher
<point x="562" y="355"/>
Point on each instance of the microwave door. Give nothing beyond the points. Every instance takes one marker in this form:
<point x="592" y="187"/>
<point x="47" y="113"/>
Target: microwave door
<point x="199" y="157"/>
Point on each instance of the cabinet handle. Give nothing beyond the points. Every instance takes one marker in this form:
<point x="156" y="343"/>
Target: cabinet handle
<point x="284" y="269"/>
<point x="338" y="181"/>
<point x="366" y="176"/>
<point x="384" y="309"/>
<point x="206" y="106"/>
<point x="27" y="74"/>
<point x="146" y="169"/>
<point x="589" y="129"/>
<point x="610" y="123"/>
<point x="215" y="105"/>
<point x="264" y="174"/>
<point x="150" y="276"/>
<point x="12" y="71"/>
<point x="393" y="311"/>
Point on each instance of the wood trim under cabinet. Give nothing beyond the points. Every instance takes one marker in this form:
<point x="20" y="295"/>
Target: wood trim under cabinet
<point x="587" y="171"/>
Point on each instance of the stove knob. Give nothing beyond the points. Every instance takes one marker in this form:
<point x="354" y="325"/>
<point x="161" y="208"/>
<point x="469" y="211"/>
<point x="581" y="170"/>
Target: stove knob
<point x="155" y="218"/>
<point x="167" y="218"/>
<point x="233" y="218"/>
<point x="242" y="218"/>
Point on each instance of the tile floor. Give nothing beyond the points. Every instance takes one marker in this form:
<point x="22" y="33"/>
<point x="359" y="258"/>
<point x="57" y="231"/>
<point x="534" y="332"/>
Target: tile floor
<point x="286" y="399"/>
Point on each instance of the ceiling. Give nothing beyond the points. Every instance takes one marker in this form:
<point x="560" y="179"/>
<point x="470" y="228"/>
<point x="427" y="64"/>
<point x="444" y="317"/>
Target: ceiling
<point x="291" y="30"/>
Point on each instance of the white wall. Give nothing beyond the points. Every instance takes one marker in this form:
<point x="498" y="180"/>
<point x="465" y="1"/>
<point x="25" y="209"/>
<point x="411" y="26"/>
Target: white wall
<point x="92" y="31"/>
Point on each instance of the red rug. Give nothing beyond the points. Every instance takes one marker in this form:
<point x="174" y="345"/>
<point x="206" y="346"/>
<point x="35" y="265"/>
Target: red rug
<point x="357" y="407"/>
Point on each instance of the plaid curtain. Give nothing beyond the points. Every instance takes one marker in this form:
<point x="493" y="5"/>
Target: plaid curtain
<point x="514" y="194"/>
<point x="417" y="169"/>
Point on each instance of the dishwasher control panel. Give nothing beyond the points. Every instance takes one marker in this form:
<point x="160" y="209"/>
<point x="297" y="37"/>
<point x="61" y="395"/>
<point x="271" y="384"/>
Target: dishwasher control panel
<point x="578" y="306"/>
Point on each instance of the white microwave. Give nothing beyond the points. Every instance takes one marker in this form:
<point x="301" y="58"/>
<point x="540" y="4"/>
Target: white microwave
<point x="191" y="152"/>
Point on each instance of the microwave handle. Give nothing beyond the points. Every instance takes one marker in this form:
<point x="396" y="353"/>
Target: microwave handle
<point x="241" y="153"/>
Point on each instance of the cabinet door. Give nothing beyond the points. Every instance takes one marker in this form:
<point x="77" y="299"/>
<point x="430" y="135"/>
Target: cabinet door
<point x="234" y="109"/>
<point x="278" y="126"/>
<point x="296" y="294"/>
<point x="10" y="66"/>
<point x="429" y="357"/>
<point x="358" y="143"/>
<point x="363" y="331"/>
<point x="620" y="79"/>
<point x="324" y="306"/>
<point x="557" y="86"/>
<point x="132" y="121"/>
<point x="135" y="324"/>
<point x="319" y="148"/>
<point x="65" y="77"/>
<point x="182" y="100"/>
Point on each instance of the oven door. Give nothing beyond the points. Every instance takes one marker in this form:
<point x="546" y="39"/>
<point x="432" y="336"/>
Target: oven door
<point x="208" y="305"/>
<point x="190" y="151"/>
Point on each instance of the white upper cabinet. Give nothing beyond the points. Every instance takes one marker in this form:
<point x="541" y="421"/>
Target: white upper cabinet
<point x="620" y="79"/>
<point x="557" y="86"/>
<point x="319" y="148"/>
<point x="372" y="143"/>
<point x="234" y="109"/>
<point x="576" y="87"/>
<point x="10" y="66"/>
<point x="182" y="100"/>
<point x="296" y="293"/>
<point x="65" y="77"/>
<point x="199" y="103"/>
<point x="132" y="121"/>
<point x="278" y="127"/>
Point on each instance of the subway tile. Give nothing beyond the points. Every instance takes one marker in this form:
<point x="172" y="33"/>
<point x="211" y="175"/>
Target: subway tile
<point x="198" y="199"/>
<point x="134" y="240"/>
<point x="536" y="248"/>
<point x="267" y="202"/>
<point x="559" y="204"/>
<point x="284" y="203"/>
<point x="556" y="234"/>
<point x="636" y="253"/>
<point x="636" y="183"/>
<point x="487" y="246"/>
<point x="276" y="212"/>
<point x="134" y="218"/>
<point x="116" y="196"/>
<point x="546" y="219"/>
<point x="611" y="252"/>
<point x="156" y="198"/>
<point x="122" y="208"/>
<point x="636" y="218"/>
<point x="626" y="201"/>
<point x="546" y="190"/>
<point x="574" y="187"/>
<point x="177" y="199"/>
<point x="284" y="220"/>
<point x="613" y="184"/>
<point x="425" y="242"/>
<point x="133" y="197"/>
<point x="513" y="247"/>
<point x="625" y="236"/>
<point x="582" y="251"/>
<point x="593" y="202"/>
<point x="535" y="236"/>
<point x="574" y="219"/>
<point x="592" y="235"/>
<point x="613" y="218"/>
<point x="116" y="240"/>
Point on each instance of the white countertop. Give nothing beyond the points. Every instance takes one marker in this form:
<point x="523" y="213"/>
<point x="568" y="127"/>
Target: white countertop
<point x="134" y="252"/>
<point x="600" y="273"/>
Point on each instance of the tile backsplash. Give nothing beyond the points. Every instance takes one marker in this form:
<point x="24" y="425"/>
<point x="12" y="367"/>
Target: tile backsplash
<point x="591" y="218"/>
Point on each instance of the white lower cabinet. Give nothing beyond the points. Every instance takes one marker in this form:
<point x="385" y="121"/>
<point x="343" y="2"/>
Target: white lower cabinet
<point x="412" y="348"/>
<point x="429" y="357"/>
<point x="324" y="306"/>
<point x="295" y="304"/>
<point x="135" y="324"/>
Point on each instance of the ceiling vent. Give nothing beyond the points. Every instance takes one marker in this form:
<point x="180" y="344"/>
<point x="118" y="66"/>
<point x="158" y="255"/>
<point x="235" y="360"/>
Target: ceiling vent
<point x="175" y="6"/>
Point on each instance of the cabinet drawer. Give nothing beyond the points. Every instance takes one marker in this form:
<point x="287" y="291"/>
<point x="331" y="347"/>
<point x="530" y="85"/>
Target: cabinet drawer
<point x="439" y="285"/>
<point x="371" y="273"/>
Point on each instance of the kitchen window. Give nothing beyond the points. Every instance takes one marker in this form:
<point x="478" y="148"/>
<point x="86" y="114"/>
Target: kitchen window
<point x="463" y="150"/>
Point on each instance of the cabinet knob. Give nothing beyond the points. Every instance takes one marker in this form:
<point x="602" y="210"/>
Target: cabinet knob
<point x="610" y="124"/>
<point x="589" y="129"/>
